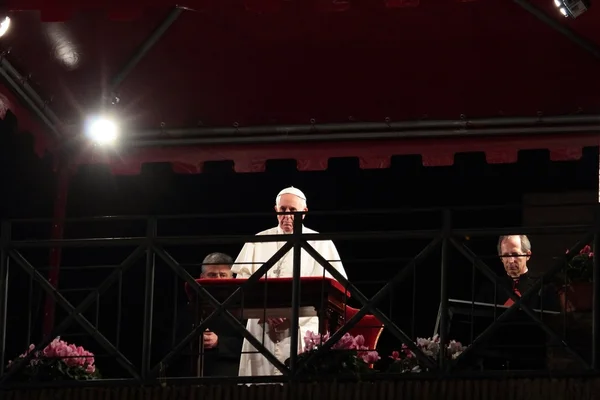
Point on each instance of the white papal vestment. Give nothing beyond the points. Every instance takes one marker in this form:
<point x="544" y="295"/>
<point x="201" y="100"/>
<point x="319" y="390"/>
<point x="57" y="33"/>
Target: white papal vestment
<point x="250" y="259"/>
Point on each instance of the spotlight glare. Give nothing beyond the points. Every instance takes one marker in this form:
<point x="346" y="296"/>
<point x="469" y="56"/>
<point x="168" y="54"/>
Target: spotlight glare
<point x="572" y="8"/>
<point x="4" y="25"/>
<point x="102" y="131"/>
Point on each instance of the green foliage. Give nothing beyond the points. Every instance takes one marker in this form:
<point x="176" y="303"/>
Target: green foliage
<point x="581" y="267"/>
<point x="48" y="370"/>
<point x="332" y="362"/>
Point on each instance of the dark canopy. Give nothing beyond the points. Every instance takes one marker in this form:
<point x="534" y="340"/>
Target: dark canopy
<point x="401" y="65"/>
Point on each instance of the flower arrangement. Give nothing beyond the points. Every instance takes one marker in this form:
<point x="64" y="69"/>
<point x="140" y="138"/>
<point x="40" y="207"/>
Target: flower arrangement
<point x="581" y="267"/>
<point x="348" y="355"/>
<point x="348" y="342"/>
<point x="405" y="360"/>
<point x="58" y="361"/>
<point x="575" y="289"/>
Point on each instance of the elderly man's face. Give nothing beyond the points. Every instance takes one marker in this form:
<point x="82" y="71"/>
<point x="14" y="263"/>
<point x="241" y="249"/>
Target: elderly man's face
<point x="217" y="272"/>
<point x="513" y="257"/>
<point x="289" y="203"/>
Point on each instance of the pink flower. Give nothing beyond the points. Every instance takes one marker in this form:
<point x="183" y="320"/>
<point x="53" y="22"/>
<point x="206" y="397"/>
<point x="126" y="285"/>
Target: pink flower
<point x="370" y="357"/>
<point x="73" y="356"/>
<point x="312" y="340"/>
<point x="360" y="341"/>
<point x="407" y="352"/>
<point x="587" y="249"/>
<point x="395" y="355"/>
<point x="347" y="342"/>
<point x="591" y="254"/>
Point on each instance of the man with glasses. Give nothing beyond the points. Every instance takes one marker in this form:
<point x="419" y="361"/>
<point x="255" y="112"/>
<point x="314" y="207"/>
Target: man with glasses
<point x="515" y="252"/>
<point x="520" y="342"/>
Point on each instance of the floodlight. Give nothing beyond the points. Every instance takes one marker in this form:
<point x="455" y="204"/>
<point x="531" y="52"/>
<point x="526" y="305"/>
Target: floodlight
<point x="4" y="25"/>
<point x="102" y="130"/>
<point x="572" y="8"/>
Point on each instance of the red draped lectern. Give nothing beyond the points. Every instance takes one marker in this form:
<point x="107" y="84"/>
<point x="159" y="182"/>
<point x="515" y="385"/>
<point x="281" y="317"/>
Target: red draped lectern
<point x="319" y="297"/>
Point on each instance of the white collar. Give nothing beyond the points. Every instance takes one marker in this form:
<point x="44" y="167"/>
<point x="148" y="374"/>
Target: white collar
<point x="524" y="272"/>
<point x="281" y="232"/>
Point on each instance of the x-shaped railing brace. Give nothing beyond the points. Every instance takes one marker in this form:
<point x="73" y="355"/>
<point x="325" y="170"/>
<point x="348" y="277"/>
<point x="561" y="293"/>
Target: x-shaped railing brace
<point x="75" y="313"/>
<point x="369" y="305"/>
<point x="220" y="308"/>
<point x="518" y="301"/>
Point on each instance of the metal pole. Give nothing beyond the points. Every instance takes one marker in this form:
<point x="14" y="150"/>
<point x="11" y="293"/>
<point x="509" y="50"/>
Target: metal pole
<point x="367" y="135"/>
<point x="74" y="313"/>
<point x="149" y="298"/>
<point x="201" y="350"/>
<point x="356" y="294"/>
<point x="146" y="46"/>
<point x="295" y="326"/>
<point x="57" y="231"/>
<point x="460" y="124"/>
<point x="221" y="308"/>
<point x="596" y="307"/>
<point x="4" y="265"/>
<point x="346" y="236"/>
<point x="444" y="290"/>
<point x="520" y="302"/>
<point x="30" y="91"/>
<point x="369" y="304"/>
<point x="17" y="88"/>
<point x="557" y="26"/>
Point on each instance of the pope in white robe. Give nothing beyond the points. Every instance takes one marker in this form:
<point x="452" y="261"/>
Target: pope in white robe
<point x="252" y="257"/>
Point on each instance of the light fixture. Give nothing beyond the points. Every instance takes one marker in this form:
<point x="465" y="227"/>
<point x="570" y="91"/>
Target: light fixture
<point x="102" y="130"/>
<point x="572" y="8"/>
<point x="4" y="25"/>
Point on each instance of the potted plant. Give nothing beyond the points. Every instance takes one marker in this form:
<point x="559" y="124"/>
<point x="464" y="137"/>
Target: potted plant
<point x="405" y="361"/>
<point x="576" y="291"/>
<point x="57" y="361"/>
<point x="348" y="355"/>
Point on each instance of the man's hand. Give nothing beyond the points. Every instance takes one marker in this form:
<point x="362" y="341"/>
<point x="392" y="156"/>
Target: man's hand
<point x="210" y="340"/>
<point x="276" y="324"/>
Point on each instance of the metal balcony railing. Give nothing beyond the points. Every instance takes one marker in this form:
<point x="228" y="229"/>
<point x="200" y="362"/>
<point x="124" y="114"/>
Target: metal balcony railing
<point x="155" y="252"/>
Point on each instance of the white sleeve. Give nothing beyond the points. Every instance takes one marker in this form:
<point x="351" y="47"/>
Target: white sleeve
<point x="330" y="253"/>
<point x="243" y="265"/>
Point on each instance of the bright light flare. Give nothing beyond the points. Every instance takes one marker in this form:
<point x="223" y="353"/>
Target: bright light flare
<point x="4" y="25"/>
<point x="572" y="8"/>
<point x="102" y="130"/>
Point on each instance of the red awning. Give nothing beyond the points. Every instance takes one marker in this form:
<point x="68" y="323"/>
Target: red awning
<point x="279" y="62"/>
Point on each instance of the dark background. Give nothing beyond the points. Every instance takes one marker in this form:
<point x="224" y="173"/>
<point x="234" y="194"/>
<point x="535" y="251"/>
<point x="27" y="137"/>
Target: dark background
<point x="29" y="187"/>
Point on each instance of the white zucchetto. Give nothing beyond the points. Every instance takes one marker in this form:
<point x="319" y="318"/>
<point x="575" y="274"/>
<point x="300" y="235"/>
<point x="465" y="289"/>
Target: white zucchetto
<point x="291" y="190"/>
